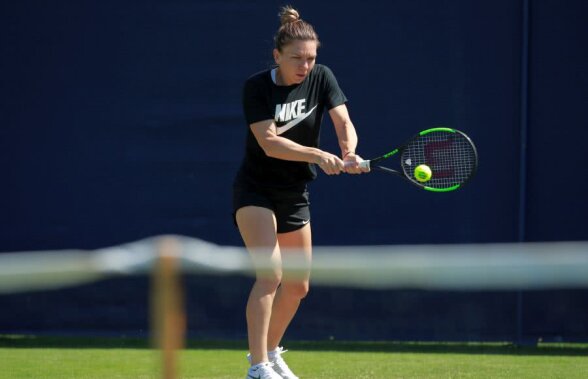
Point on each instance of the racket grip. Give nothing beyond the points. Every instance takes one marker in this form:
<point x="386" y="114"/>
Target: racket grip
<point x="362" y="164"/>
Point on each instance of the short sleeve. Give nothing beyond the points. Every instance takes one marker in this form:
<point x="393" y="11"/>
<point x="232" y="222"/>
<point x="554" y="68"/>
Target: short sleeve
<point x="334" y="96"/>
<point x="255" y="104"/>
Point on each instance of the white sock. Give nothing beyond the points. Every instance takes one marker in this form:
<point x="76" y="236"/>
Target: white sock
<point x="272" y="354"/>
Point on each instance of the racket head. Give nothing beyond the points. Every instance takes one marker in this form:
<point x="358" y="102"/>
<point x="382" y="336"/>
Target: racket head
<point x="450" y="153"/>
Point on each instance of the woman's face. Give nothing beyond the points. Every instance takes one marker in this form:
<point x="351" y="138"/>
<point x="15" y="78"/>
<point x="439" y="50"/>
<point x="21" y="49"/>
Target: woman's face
<point x="296" y="60"/>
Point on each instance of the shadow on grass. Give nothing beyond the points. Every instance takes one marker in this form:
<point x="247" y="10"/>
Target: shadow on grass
<point x="543" y="349"/>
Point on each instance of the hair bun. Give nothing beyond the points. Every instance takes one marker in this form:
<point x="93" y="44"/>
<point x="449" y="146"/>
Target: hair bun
<point x="288" y="14"/>
<point x="293" y="28"/>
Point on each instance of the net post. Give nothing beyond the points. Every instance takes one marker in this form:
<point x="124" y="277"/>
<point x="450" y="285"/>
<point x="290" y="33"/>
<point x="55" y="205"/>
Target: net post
<point x="524" y="126"/>
<point x="168" y="320"/>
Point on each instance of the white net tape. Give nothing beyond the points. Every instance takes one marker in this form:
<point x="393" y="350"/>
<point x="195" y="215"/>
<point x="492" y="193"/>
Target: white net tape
<point x="449" y="267"/>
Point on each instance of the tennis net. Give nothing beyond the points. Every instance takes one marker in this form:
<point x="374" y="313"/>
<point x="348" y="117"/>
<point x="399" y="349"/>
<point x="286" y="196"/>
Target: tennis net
<point x="553" y="265"/>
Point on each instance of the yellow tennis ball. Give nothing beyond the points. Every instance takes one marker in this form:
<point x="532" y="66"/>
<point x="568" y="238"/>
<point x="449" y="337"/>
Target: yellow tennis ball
<point x="423" y="173"/>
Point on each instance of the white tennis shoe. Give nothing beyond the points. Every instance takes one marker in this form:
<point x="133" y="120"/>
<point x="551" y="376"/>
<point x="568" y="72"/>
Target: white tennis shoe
<point x="280" y="365"/>
<point x="262" y="371"/>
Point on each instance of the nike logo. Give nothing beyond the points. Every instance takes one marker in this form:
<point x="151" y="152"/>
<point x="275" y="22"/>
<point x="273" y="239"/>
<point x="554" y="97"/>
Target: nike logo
<point x="301" y="116"/>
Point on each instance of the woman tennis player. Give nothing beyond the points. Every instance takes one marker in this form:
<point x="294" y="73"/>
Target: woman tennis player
<point x="284" y="108"/>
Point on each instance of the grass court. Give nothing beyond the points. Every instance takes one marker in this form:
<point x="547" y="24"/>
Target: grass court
<point x="33" y="357"/>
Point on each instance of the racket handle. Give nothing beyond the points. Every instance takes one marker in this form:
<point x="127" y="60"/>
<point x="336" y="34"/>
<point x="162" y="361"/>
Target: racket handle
<point x="362" y="164"/>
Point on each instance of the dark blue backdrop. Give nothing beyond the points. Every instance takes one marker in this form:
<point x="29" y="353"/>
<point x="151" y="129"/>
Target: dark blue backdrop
<point x="122" y="120"/>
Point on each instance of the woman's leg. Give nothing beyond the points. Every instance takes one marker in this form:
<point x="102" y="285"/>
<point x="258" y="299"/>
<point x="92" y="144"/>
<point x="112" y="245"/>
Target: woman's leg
<point x="294" y="285"/>
<point x="257" y="226"/>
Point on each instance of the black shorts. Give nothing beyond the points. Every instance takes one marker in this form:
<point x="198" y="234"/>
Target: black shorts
<point x="291" y="206"/>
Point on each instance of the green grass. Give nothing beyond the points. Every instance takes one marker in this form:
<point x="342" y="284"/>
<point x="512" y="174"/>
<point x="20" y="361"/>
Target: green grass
<point x="126" y="358"/>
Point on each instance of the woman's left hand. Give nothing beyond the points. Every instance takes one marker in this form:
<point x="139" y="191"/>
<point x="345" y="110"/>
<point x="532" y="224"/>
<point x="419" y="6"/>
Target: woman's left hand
<point x="352" y="161"/>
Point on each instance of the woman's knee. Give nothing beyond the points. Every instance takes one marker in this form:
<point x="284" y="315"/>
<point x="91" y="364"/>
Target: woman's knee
<point x="297" y="290"/>
<point x="268" y="281"/>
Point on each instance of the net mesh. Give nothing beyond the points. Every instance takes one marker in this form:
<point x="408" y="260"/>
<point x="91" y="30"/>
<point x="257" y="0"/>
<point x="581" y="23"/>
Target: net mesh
<point x="450" y="155"/>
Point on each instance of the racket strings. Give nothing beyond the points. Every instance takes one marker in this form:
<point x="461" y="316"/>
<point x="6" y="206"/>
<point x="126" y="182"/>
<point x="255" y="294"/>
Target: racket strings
<point x="451" y="157"/>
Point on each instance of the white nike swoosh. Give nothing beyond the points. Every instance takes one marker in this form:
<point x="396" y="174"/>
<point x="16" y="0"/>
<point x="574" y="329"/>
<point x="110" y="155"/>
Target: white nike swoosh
<point x="293" y="123"/>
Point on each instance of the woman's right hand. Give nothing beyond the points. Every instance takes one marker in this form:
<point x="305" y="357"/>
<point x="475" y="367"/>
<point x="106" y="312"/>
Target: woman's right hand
<point x="330" y="163"/>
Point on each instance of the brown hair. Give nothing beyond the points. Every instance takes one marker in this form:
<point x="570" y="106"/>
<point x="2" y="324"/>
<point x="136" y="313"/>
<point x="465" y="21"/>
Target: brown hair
<point x="293" y="28"/>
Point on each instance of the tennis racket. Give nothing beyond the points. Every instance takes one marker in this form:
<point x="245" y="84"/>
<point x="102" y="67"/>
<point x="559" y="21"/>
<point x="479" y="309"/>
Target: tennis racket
<point x="450" y="155"/>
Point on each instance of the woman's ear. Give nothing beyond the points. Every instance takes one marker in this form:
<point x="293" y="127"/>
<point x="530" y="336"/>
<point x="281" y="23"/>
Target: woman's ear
<point x="277" y="56"/>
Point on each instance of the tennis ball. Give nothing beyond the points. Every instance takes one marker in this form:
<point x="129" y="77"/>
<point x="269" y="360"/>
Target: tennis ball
<point x="423" y="173"/>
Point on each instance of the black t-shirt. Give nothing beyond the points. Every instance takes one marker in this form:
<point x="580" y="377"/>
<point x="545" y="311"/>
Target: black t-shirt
<point x="297" y="111"/>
